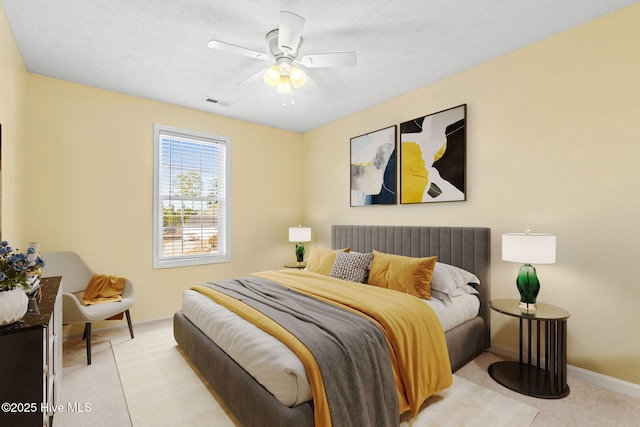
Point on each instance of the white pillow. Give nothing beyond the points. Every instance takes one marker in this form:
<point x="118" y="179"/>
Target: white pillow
<point x="465" y="289"/>
<point x="440" y="295"/>
<point x="448" y="281"/>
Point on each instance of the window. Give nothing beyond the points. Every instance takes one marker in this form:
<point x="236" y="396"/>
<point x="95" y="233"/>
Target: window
<point x="191" y="199"/>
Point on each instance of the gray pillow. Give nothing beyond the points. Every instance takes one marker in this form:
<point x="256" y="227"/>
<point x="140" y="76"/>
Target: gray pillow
<point x="352" y="266"/>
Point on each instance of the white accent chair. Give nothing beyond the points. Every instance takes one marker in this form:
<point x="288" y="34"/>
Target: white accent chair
<point x="76" y="275"/>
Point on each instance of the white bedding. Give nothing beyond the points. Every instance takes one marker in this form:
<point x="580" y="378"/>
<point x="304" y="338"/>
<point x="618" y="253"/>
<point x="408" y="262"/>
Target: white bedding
<point x="463" y="307"/>
<point x="271" y="362"/>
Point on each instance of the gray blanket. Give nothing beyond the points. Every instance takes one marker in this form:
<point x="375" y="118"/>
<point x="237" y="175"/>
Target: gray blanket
<point x="351" y="351"/>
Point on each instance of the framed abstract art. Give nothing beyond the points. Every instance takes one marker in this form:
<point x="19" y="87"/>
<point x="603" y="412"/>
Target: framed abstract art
<point x="433" y="157"/>
<point x="373" y="168"/>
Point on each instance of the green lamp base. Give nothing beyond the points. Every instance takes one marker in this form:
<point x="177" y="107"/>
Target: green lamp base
<point x="528" y="286"/>
<point x="299" y="252"/>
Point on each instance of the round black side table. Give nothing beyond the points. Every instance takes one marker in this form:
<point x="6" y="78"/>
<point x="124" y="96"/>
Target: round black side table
<point x="548" y="381"/>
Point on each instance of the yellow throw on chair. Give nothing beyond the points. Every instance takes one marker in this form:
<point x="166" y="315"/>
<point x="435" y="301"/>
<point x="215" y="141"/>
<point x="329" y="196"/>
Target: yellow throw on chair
<point x="103" y="288"/>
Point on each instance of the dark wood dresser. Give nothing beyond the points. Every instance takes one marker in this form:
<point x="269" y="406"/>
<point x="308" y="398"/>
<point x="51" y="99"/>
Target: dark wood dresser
<point x="31" y="361"/>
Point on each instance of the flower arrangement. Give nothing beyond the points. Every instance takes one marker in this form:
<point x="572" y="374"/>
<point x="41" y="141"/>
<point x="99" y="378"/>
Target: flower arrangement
<point x="18" y="269"/>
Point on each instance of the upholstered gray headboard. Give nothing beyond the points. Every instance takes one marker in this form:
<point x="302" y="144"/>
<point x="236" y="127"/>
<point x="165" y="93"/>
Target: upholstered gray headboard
<point x="464" y="247"/>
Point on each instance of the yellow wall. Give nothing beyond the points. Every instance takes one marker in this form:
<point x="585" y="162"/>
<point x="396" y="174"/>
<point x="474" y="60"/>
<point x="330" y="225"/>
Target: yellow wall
<point x="12" y="120"/>
<point x="553" y="146"/>
<point x="90" y="157"/>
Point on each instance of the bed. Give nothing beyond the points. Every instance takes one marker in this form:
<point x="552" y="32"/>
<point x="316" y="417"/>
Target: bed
<point x="465" y="247"/>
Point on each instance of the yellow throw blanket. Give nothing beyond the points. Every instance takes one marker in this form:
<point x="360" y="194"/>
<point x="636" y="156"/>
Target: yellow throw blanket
<point x="417" y="345"/>
<point x="103" y="288"/>
<point x="416" y="340"/>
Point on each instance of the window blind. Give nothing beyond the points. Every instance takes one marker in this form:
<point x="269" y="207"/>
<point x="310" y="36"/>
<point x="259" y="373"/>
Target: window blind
<point x="191" y="197"/>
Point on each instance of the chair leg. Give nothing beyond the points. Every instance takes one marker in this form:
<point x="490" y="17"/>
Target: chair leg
<point x="129" y="323"/>
<point x="87" y="336"/>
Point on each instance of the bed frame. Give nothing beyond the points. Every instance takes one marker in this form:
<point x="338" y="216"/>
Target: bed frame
<point x="253" y="405"/>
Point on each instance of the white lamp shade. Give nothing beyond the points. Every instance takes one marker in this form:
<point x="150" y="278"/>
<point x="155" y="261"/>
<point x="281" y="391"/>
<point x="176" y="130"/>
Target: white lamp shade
<point x="529" y="248"/>
<point x="299" y="234"/>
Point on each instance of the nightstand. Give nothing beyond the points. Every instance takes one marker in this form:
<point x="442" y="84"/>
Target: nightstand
<point x="548" y="381"/>
<point x="298" y="265"/>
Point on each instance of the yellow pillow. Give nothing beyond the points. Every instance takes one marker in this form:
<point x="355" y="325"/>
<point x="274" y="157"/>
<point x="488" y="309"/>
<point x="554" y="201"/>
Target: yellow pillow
<point x="321" y="260"/>
<point x="402" y="273"/>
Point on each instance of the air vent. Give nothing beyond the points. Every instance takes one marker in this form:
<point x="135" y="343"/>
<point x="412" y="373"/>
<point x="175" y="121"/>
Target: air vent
<point x="217" y="102"/>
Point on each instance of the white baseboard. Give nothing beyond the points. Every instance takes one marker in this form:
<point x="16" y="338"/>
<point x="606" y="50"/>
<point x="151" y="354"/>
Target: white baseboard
<point x="585" y="375"/>
<point x="118" y="326"/>
<point x="605" y="381"/>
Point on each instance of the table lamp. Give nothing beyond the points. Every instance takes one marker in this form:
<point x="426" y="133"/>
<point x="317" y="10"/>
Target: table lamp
<point x="299" y="235"/>
<point x="528" y="248"/>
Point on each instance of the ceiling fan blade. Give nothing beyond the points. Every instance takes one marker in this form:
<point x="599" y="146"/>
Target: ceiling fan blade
<point x="253" y="78"/>
<point x="290" y="32"/>
<point x="337" y="59"/>
<point x="227" y="47"/>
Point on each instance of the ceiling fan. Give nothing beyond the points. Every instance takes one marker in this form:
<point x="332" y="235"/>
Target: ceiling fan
<point x="284" y="44"/>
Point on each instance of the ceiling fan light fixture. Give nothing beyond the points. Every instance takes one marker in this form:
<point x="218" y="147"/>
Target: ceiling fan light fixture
<point x="284" y="85"/>
<point x="272" y="76"/>
<point x="283" y="77"/>
<point x="297" y="77"/>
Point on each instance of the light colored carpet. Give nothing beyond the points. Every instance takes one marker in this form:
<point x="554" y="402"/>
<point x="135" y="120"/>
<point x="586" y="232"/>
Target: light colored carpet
<point x="586" y="406"/>
<point x="162" y="388"/>
<point x="468" y="404"/>
<point x="161" y="385"/>
<point x="97" y="385"/>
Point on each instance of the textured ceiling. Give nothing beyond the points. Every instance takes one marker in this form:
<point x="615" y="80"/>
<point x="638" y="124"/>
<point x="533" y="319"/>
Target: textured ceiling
<point x="157" y="49"/>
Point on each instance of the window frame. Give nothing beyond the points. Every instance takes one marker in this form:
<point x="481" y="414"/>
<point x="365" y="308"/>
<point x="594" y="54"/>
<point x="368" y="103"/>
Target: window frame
<point x="158" y="212"/>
